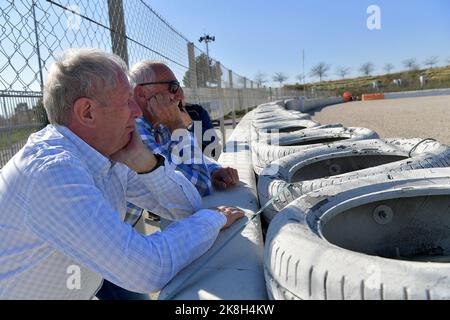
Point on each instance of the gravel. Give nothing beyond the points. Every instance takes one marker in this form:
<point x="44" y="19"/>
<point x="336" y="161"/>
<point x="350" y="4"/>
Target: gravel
<point x="424" y="117"/>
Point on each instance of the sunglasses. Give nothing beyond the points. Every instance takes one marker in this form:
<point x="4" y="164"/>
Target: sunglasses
<point x="174" y="85"/>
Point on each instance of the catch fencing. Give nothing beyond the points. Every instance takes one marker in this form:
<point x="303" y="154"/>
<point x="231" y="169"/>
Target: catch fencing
<point x="33" y="32"/>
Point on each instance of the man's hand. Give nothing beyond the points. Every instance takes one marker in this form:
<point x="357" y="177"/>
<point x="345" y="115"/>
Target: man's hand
<point x="136" y="155"/>
<point x="187" y="120"/>
<point x="225" y="178"/>
<point x="165" y="111"/>
<point x="231" y="213"/>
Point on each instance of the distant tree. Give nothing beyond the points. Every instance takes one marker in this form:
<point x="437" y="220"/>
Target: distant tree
<point x="300" y="78"/>
<point x="260" y="78"/>
<point x="431" y="61"/>
<point x="21" y="114"/>
<point x="279" y="77"/>
<point x="410" y="64"/>
<point x="21" y="107"/>
<point x="320" y="70"/>
<point x="206" y="73"/>
<point x="343" y="71"/>
<point x="388" y="67"/>
<point x="367" y="68"/>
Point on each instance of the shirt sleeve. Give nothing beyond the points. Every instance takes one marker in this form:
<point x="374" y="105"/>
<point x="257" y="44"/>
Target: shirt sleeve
<point x="82" y="224"/>
<point x="189" y="160"/>
<point x="212" y="164"/>
<point x="164" y="192"/>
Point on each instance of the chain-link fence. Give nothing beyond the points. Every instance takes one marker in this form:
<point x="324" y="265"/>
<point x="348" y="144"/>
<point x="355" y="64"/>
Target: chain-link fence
<point x="33" y="32"/>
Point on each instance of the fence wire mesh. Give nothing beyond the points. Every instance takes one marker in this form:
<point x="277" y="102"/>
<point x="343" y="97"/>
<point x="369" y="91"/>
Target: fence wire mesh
<point x="33" y="32"/>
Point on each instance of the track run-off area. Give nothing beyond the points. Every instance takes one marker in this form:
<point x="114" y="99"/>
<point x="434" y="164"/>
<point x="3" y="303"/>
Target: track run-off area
<point x="422" y="117"/>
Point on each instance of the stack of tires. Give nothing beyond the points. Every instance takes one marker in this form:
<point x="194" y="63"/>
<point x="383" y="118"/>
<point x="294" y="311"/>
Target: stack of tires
<point x="351" y="216"/>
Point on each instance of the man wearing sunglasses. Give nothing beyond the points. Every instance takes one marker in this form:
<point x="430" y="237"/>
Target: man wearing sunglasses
<point x="63" y="195"/>
<point x="161" y="99"/>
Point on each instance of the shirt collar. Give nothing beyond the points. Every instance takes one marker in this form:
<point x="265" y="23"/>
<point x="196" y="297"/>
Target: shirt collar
<point x="97" y="163"/>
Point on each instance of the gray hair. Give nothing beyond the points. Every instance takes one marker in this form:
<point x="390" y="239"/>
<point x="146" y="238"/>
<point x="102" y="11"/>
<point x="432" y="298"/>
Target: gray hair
<point x="79" y="73"/>
<point x="143" y="71"/>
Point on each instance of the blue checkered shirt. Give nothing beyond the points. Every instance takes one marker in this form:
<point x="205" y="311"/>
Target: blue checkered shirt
<point x="197" y="168"/>
<point x="62" y="206"/>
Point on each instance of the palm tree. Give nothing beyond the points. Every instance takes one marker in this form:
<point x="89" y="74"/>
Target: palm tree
<point x="279" y="77"/>
<point x="300" y="78"/>
<point x="431" y="61"/>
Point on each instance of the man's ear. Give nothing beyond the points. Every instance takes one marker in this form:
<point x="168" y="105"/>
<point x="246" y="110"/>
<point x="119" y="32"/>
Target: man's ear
<point x="83" y="112"/>
<point x="139" y="93"/>
<point x="140" y="97"/>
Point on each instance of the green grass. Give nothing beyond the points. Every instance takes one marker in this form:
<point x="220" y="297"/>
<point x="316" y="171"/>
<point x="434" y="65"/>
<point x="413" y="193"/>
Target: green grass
<point x="438" y="78"/>
<point x="9" y="138"/>
<point x="239" y="113"/>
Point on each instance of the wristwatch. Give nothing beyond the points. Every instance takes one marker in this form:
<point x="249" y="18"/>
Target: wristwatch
<point x="159" y="161"/>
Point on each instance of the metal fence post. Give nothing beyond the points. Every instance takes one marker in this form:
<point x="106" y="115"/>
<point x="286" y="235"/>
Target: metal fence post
<point x="218" y="74"/>
<point x="244" y="96"/>
<point x="220" y="97"/>
<point x="252" y="97"/>
<point x="192" y="66"/>
<point x="233" y="111"/>
<point x="38" y="45"/>
<point x="114" y="34"/>
<point x="118" y="32"/>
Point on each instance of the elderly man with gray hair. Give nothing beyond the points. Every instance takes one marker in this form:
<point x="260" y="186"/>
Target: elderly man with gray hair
<point x="63" y="195"/>
<point x="163" y="124"/>
<point x="152" y="79"/>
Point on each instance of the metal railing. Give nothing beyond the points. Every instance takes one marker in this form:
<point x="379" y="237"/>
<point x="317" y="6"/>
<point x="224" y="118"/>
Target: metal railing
<point x="33" y="32"/>
<point x="22" y="113"/>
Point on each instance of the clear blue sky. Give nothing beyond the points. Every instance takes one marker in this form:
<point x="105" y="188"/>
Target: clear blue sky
<point x="268" y="36"/>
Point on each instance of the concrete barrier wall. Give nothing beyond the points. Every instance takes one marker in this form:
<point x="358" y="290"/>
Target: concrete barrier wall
<point x="419" y="93"/>
<point x="305" y="105"/>
<point x="311" y="104"/>
<point x="236" y="272"/>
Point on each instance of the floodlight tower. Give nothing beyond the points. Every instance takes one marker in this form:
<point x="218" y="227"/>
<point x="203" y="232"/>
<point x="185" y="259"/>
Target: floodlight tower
<point x="207" y="39"/>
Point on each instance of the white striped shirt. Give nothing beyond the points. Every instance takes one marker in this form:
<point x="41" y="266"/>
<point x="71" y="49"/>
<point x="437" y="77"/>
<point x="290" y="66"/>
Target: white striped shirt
<point x="62" y="206"/>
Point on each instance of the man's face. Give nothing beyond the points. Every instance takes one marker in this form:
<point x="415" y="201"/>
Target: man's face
<point x="115" y="117"/>
<point x="161" y="74"/>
